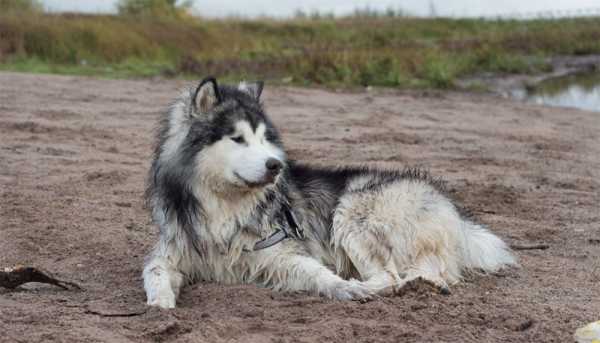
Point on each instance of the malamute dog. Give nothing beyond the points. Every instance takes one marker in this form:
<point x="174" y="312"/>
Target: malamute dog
<point x="232" y="209"/>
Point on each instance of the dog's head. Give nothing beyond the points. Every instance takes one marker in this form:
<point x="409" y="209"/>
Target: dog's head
<point x="230" y="142"/>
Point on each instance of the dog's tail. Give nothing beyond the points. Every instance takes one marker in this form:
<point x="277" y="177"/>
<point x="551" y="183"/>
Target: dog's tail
<point x="483" y="250"/>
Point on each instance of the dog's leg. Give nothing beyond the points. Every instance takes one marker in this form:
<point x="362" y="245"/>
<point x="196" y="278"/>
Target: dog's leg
<point x="431" y="269"/>
<point x="163" y="276"/>
<point x="376" y="264"/>
<point x="372" y="260"/>
<point x="293" y="272"/>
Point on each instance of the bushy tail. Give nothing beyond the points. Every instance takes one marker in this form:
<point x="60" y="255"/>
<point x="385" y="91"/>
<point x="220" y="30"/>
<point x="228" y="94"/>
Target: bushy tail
<point x="484" y="250"/>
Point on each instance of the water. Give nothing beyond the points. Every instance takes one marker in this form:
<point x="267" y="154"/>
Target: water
<point x="581" y="90"/>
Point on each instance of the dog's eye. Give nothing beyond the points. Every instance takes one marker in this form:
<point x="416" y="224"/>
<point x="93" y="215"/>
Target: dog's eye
<point x="238" y="139"/>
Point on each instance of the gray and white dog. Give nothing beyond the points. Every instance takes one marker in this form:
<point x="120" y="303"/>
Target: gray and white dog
<point x="224" y="197"/>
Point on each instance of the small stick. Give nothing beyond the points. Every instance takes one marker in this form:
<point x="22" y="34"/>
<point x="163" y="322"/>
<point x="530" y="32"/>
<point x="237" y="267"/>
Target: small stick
<point x="530" y="247"/>
<point x="120" y="314"/>
<point x="12" y="278"/>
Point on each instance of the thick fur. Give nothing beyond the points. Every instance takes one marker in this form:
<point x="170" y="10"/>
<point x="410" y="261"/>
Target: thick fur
<point x="367" y="231"/>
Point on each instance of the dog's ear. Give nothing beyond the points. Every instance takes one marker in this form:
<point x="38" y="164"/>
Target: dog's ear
<point x="252" y="88"/>
<point x="206" y="96"/>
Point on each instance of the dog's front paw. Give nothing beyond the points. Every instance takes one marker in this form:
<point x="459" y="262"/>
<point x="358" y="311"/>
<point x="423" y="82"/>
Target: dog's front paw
<point x="163" y="299"/>
<point x="351" y="290"/>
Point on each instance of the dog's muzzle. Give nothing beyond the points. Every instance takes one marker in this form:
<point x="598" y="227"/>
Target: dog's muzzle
<point x="273" y="167"/>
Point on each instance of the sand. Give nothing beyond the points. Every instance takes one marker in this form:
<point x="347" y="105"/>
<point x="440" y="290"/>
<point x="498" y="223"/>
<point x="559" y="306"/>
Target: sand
<point x="74" y="153"/>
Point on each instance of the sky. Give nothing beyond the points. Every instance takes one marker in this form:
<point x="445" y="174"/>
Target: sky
<point x="283" y="8"/>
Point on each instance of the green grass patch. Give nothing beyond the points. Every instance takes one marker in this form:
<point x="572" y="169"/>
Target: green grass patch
<point x="390" y="51"/>
<point x="127" y="69"/>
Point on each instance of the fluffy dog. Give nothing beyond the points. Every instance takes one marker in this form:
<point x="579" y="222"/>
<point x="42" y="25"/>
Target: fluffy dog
<point x="232" y="209"/>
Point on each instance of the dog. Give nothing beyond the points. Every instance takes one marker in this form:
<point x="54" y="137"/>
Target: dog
<point x="232" y="209"/>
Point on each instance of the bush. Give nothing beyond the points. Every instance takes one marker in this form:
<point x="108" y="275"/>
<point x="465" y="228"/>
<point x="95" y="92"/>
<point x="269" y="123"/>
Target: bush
<point x="21" y="6"/>
<point x="437" y="71"/>
<point x="154" y="8"/>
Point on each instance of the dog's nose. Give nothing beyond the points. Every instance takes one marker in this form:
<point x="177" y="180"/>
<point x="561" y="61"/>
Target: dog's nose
<point x="274" y="165"/>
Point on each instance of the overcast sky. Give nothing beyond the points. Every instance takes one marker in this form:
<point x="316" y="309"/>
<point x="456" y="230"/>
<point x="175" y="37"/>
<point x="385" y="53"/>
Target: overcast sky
<point x="250" y="8"/>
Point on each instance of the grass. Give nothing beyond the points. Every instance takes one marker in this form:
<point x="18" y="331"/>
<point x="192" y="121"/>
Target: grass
<point x="392" y="51"/>
<point x="127" y="69"/>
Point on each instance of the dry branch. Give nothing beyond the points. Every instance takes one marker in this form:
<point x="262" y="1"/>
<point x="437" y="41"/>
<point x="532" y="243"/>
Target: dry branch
<point x="530" y="247"/>
<point x="12" y="278"/>
<point x="118" y="314"/>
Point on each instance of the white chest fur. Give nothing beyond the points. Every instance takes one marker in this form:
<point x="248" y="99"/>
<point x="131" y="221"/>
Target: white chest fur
<point x="225" y="241"/>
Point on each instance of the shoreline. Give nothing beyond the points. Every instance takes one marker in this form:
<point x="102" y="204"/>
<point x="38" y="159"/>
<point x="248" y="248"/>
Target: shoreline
<point x="505" y="85"/>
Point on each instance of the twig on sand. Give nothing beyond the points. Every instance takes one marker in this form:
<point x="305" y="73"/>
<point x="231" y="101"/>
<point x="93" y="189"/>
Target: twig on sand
<point x="119" y="314"/>
<point x="12" y="278"/>
<point x="530" y="247"/>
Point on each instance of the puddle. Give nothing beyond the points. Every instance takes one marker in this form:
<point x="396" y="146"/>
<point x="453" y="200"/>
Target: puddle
<point x="580" y="90"/>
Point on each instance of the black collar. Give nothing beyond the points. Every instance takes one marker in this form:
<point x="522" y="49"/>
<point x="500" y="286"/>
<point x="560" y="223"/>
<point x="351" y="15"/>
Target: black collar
<point x="292" y="230"/>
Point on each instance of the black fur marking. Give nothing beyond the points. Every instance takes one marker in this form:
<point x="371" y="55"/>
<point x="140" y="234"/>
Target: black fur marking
<point x="385" y="177"/>
<point x="322" y="187"/>
<point x="235" y="106"/>
<point x="259" y="88"/>
<point x="169" y="193"/>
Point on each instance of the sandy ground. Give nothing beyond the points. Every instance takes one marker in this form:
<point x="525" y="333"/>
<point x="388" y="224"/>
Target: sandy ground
<point x="74" y="153"/>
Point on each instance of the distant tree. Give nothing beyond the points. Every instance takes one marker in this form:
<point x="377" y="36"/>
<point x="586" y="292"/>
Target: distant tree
<point x="390" y="12"/>
<point x="432" y="10"/>
<point x="366" y="12"/>
<point x="154" y="8"/>
<point x="300" y="14"/>
<point x="21" y="5"/>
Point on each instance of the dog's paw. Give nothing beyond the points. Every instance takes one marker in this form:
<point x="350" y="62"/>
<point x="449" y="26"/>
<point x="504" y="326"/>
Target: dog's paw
<point x="163" y="299"/>
<point x="351" y="290"/>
